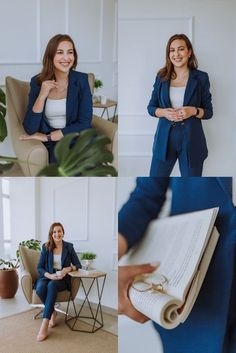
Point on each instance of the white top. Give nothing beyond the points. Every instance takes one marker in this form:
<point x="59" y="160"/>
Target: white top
<point x="57" y="262"/>
<point x="177" y="96"/>
<point x="55" y="111"/>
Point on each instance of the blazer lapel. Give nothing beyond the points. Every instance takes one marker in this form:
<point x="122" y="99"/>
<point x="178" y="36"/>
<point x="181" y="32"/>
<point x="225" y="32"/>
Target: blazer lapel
<point x="166" y="94"/>
<point x="191" y="86"/>
<point x="64" y="254"/>
<point x="50" y="261"/>
<point x="72" y="96"/>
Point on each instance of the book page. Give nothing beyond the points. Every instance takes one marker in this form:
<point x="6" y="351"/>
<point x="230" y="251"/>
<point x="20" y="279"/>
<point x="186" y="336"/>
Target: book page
<point x="177" y="243"/>
<point x="159" y="307"/>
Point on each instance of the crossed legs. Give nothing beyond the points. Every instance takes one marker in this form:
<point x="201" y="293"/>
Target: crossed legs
<point x="47" y="291"/>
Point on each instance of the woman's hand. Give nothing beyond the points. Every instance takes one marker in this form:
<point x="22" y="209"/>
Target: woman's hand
<point x="46" y="87"/>
<point x="54" y="276"/>
<point x="185" y="113"/>
<point x="177" y="114"/>
<point x="36" y="136"/>
<point x="126" y="276"/>
<point x="66" y="270"/>
<point x="169" y="113"/>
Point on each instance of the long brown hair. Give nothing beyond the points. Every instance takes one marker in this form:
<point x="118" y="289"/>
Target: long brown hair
<point x="168" y="72"/>
<point x="50" y="245"/>
<point x="47" y="72"/>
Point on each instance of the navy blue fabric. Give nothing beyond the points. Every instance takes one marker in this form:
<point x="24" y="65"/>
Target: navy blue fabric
<point x="211" y="326"/>
<point x="78" y="107"/>
<point x="197" y="94"/>
<point x="47" y="291"/>
<point x="176" y="150"/>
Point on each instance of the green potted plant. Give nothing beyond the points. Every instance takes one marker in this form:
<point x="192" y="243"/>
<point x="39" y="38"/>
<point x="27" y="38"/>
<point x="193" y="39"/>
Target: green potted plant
<point x="8" y="270"/>
<point x="87" y="259"/>
<point x="97" y="84"/>
<point x="8" y="278"/>
<point x="30" y="244"/>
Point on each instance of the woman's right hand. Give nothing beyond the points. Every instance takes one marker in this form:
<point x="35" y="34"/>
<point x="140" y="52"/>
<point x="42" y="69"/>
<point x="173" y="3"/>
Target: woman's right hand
<point x="46" y="87"/>
<point x="126" y="275"/>
<point x="55" y="277"/>
<point x="170" y="114"/>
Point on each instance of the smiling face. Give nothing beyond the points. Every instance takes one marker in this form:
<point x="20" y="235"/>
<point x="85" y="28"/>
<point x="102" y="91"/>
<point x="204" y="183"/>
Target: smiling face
<point x="57" y="234"/>
<point x="64" y="57"/>
<point x="179" y="53"/>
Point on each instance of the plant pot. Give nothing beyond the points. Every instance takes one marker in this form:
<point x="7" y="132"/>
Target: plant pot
<point x="8" y="283"/>
<point x="86" y="264"/>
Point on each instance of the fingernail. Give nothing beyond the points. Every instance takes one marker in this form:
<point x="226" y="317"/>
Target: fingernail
<point x="155" y="264"/>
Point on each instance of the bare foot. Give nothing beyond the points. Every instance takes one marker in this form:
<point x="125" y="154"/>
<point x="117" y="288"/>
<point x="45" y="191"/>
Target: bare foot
<point x="43" y="332"/>
<point x="52" y="321"/>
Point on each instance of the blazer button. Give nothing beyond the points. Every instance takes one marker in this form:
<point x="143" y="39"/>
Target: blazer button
<point x="182" y="123"/>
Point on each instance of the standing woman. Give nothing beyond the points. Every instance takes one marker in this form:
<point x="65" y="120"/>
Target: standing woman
<point x="60" y="99"/>
<point x="57" y="259"/>
<point x="180" y="100"/>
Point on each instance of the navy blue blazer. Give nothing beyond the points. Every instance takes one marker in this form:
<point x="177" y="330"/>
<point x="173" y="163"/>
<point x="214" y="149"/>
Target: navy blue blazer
<point x="197" y="94"/>
<point x="68" y="257"/>
<point x="78" y="107"/>
<point x="211" y="326"/>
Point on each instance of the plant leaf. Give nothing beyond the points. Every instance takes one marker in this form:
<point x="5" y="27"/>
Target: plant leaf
<point x="2" y="97"/>
<point x="3" y="129"/>
<point x="50" y="170"/>
<point x="62" y="149"/>
<point x="101" y="171"/>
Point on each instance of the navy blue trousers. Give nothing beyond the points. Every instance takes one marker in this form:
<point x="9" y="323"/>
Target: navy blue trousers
<point x="177" y="149"/>
<point x="47" y="291"/>
<point x="50" y="147"/>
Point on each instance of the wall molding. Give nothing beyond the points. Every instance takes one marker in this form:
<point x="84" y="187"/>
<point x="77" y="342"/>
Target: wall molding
<point x="62" y="187"/>
<point x="38" y="37"/>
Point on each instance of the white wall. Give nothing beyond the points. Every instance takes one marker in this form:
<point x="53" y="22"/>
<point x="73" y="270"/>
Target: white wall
<point x="91" y="23"/>
<point x="85" y="207"/>
<point x="144" y="28"/>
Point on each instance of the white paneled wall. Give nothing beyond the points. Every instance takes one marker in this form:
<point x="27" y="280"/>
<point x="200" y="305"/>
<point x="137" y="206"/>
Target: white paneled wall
<point x="85" y="206"/>
<point x="29" y="24"/>
<point x="144" y="29"/>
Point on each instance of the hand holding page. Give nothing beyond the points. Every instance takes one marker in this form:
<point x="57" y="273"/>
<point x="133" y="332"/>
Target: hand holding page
<point x="184" y="245"/>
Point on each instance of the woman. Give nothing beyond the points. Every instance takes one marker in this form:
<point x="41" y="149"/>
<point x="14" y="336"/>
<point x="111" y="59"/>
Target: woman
<point x="57" y="259"/>
<point x="180" y="99"/>
<point x="60" y="99"/>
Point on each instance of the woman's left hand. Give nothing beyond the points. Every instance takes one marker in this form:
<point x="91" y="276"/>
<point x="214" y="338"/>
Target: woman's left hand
<point x="185" y="113"/>
<point x="36" y="136"/>
<point x="66" y="270"/>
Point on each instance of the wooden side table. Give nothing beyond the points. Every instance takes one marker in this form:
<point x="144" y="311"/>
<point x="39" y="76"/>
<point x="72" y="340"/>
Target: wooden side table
<point x="109" y="104"/>
<point x="99" y="278"/>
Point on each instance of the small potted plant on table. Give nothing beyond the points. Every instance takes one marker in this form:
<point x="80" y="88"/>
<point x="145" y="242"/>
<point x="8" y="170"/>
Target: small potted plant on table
<point x="87" y="259"/>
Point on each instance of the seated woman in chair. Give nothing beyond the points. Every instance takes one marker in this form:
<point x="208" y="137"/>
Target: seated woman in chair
<point x="60" y="99"/>
<point x="57" y="259"/>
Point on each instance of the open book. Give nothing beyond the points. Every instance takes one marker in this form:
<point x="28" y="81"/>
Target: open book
<point x="184" y="245"/>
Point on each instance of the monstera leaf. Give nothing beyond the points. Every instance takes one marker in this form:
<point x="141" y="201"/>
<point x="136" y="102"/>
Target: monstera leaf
<point x="3" y="126"/>
<point x="6" y="163"/>
<point x="83" y="154"/>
